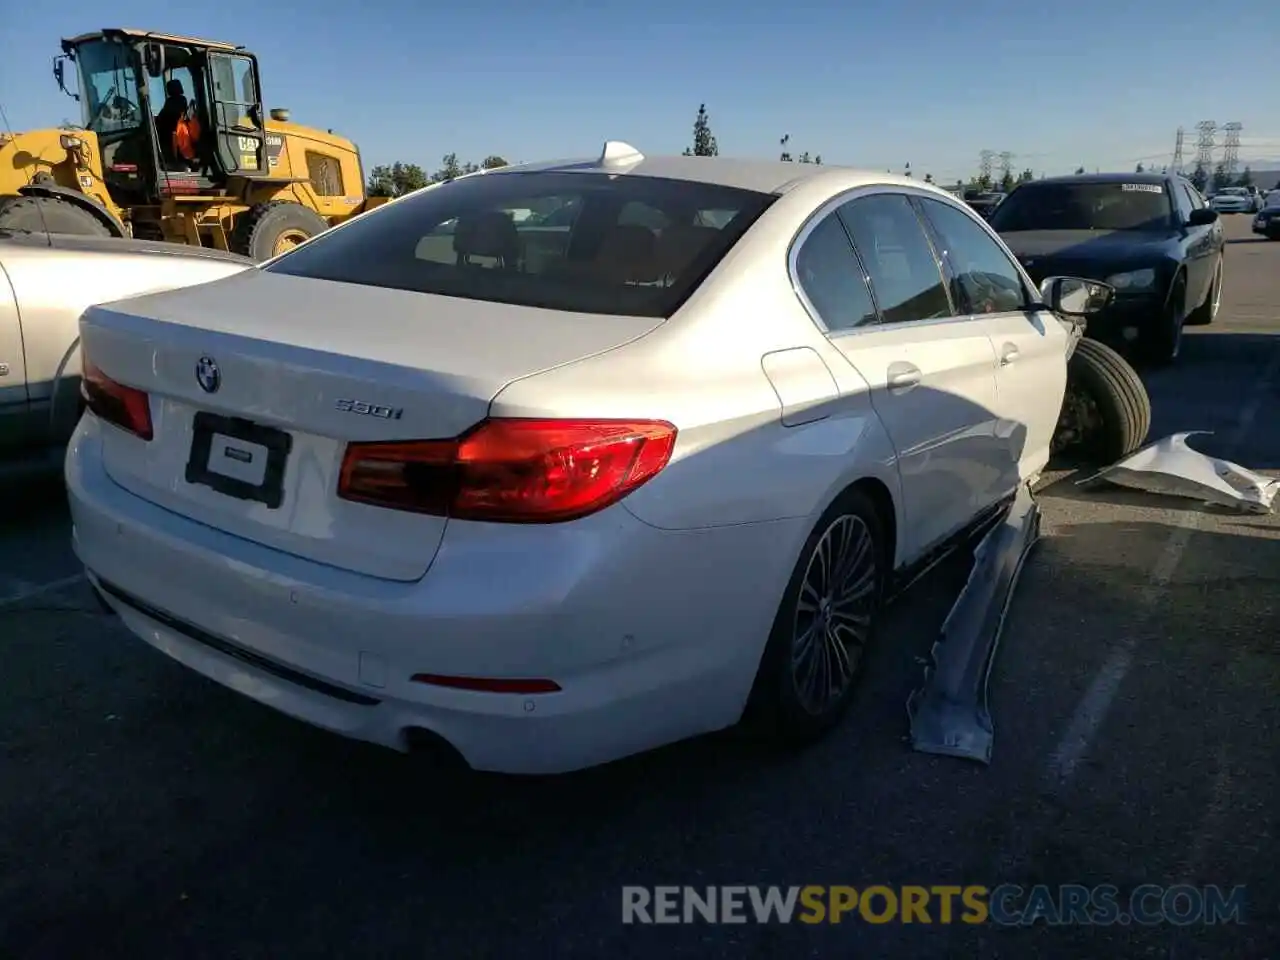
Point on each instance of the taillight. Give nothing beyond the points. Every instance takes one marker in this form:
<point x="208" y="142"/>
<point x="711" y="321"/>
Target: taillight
<point x="126" y="407"/>
<point x="511" y="471"/>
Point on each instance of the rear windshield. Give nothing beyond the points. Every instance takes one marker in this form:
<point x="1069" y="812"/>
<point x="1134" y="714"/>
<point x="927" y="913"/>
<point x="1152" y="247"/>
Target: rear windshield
<point x="583" y="242"/>
<point x="1084" y="206"/>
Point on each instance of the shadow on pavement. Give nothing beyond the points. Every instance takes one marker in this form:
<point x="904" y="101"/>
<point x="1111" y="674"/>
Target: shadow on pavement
<point x="192" y="822"/>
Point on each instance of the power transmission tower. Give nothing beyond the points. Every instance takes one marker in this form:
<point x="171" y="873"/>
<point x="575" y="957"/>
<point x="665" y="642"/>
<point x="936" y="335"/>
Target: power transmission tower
<point x="986" y="161"/>
<point x="1006" y="164"/>
<point x="1177" y="152"/>
<point x="1231" y="148"/>
<point x="1208" y="130"/>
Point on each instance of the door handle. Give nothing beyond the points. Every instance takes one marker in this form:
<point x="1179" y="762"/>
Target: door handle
<point x="1008" y="354"/>
<point x="903" y="376"/>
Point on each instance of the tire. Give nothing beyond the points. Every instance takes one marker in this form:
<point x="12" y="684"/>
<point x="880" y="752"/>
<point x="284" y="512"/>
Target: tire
<point x="779" y="705"/>
<point x="1207" y="312"/>
<point x="1163" y="342"/>
<point x="50" y="214"/>
<point x="272" y="228"/>
<point x="1106" y="405"/>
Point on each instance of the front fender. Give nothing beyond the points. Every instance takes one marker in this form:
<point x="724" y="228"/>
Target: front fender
<point x="59" y="192"/>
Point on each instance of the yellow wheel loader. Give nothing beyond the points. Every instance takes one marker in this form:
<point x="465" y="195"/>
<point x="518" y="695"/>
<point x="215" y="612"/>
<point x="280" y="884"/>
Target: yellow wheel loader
<point x="173" y="145"/>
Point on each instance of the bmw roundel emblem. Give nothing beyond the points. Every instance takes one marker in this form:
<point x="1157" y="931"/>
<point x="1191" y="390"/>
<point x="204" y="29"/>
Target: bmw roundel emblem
<point x="208" y="375"/>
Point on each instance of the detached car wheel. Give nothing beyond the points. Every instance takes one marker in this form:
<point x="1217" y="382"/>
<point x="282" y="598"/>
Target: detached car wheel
<point x="1106" y="412"/>
<point x="824" y="625"/>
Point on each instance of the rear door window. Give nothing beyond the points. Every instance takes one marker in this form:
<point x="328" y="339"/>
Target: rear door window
<point x="582" y="242"/>
<point x="892" y="244"/>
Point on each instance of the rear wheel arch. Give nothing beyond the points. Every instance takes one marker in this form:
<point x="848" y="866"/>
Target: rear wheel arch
<point x="881" y="498"/>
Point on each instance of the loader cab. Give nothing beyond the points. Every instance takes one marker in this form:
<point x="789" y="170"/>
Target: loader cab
<point x="127" y="82"/>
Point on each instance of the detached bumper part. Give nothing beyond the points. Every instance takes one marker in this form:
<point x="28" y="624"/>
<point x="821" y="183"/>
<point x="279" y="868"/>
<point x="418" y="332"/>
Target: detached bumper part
<point x="949" y="713"/>
<point x="1171" y="468"/>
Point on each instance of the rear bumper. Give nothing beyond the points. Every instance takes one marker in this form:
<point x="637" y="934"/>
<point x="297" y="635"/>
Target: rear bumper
<point x="653" y="636"/>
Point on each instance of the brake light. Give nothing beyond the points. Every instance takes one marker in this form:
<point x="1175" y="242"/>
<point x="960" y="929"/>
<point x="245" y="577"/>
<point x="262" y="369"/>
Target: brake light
<point x="511" y="471"/>
<point x="126" y="407"/>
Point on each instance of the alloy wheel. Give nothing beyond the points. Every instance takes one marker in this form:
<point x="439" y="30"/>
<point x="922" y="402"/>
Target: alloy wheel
<point x="833" y="615"/>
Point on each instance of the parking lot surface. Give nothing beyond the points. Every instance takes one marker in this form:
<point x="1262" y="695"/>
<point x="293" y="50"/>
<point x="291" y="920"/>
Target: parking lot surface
<point x="145" y="812"/>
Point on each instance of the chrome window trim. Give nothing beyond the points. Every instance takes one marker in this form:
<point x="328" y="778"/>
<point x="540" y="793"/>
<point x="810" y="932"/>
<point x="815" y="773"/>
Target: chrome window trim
<point x="833" y="203"/>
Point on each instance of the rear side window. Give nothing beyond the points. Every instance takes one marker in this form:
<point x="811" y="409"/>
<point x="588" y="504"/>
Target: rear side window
<point x="892" y="244"/>
<point x="582" y="242"/>
<point x="831" y="278"/>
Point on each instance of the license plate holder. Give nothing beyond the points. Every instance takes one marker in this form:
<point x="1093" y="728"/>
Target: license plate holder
<point x="211" y="432"/>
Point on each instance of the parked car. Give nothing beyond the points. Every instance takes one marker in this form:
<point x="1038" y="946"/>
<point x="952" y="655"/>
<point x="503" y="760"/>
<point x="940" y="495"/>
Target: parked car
<point x="551" y="497"/>
<point x="984" y="203"/>
<point x="1267" y="222"/>
<point x="1148" y="235"/>
<point x="50" y="280"/>
<point x="1232" y="200"/>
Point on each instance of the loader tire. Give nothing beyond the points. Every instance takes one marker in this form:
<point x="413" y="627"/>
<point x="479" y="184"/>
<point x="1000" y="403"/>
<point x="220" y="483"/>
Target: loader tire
<point x="1110" y="405"/>
<point x="49" y="214"/>
<point x="273" y="228"/>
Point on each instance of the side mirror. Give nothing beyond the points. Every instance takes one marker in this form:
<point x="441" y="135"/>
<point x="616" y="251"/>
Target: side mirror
<point x="153" y="57"/>
<point x="1202" y="217"/>
<point x="1074" y="296"/>
<point x="59" y="74"/>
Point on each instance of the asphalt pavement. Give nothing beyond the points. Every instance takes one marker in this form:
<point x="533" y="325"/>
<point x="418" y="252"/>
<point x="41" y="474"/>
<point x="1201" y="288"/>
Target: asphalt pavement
<point x="146" y="812"/>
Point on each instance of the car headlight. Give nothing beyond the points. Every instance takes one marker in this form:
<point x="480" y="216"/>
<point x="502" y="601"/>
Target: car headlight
<point x="1133" y="280"/>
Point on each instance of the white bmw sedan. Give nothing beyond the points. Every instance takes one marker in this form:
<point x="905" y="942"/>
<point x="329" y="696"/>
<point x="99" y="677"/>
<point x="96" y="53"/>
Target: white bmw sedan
<point x="558" y="489"/>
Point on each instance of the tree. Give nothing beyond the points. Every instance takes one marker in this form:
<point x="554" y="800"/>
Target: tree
<point x="1139" y="169"/>
<point x="493" y="162"/>
<point x="1079" y="170"/>
<point x="983" y="182"/>
<point x="786" y="139"/>
<point x="1220" y="177"/>
<point x="449" y="168"/>
<point x="1026" y="176"/>
<point x="928" y="178"/>
<point x="1200" y="177"/>
<point x="804" y="157"/>
<point x="818" y="159"/>
<point x="1245" y="179"/>
<point x="704" y="144"/>
<point x="1007" y="181"/>
<point x="395" y="180"/>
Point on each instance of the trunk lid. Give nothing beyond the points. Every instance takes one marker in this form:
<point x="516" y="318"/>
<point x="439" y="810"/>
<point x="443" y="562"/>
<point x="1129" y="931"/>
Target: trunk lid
<point x="325" y="364"/>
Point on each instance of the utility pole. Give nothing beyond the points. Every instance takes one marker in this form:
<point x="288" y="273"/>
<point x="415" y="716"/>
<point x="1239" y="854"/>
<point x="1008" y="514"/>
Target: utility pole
<point x="1006" y="164"/>
<point x="1208" y="130"/>
<point x="1231" y="148"/>
<point x="986" y="161"/>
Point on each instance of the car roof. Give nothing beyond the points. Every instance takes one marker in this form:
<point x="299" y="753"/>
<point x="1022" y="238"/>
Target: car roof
<point x="761" y="176"/>
<point x="85" y="244"/>
<point x="1108" y="178"/>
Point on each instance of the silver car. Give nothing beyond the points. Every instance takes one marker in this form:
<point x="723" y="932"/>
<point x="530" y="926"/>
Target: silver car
<point x="46" y="282"/>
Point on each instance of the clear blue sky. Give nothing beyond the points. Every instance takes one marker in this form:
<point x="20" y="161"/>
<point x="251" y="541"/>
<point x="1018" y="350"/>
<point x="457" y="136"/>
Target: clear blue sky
<point x="872" y="83"/>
